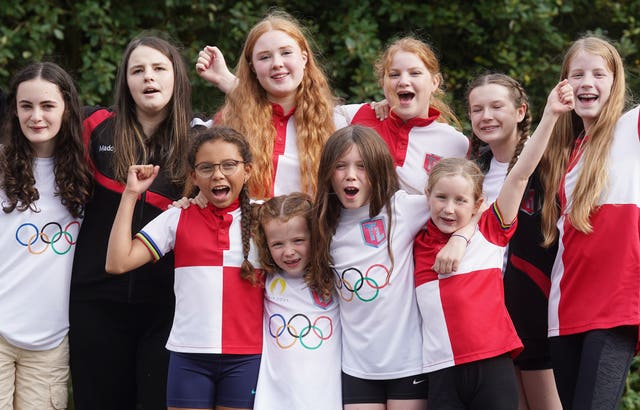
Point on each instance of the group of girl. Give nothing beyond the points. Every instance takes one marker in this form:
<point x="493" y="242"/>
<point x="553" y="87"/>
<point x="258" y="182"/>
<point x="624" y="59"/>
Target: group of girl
<point x="401" y="296"/>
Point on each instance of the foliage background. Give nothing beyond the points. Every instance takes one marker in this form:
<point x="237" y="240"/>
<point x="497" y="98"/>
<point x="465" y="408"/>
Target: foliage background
<point x="524" y="39"/>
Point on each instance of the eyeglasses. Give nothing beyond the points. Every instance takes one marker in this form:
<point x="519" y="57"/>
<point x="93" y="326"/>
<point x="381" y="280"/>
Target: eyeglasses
<point x="227" y="167"/>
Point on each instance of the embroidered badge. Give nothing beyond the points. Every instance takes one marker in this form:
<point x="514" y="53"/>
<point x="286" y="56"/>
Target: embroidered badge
<point x="430" y="160"/>
<point x="373" y="232"/>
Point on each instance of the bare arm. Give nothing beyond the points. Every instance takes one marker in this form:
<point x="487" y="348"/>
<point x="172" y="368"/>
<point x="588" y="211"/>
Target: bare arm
<point x="212" y="67"/>
<point x="449" y="257"/>
<point x="560" y="100"/>
<point x="124" y="253"/>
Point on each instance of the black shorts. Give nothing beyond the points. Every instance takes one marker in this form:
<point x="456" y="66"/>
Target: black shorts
<point x="357" y="391"/>
<point x="484" y="384"/>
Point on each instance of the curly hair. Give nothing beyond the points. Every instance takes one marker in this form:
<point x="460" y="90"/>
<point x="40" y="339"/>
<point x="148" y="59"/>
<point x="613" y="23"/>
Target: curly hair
<point x="168" y="146"/>
<point x="231" y="136"/>
<point x="280" y="208"/>
<point x="248" y="110"/>
<point x="592" y="179"/>
<point x="426" y="54"/>
<point x="73" y="177"/>
<point x="518" y="98"/>
<point x="382" y="175"/>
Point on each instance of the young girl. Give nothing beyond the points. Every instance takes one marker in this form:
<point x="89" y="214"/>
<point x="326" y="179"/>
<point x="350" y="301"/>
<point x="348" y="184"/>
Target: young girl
<point x="592" y="205"/>
<point x="216" y="338"/>
<point x="120" y="324"/>
<point x="363" y="228"/>
<point x="417" y="129"/>
<point x="280" y="100"/>
<point x="300" y="366"/>
<point x="466" y="328"/>
<point x="45" y="184"/>
<point x="500" y="120"/>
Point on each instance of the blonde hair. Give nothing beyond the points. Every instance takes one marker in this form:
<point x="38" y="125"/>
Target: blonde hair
<point x="592" y="180"/>
<point x="426" y="54"/>
<point x="450" y="167"/>
<point x="248" y="110"/>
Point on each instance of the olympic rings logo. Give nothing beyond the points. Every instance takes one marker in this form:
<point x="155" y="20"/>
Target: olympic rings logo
<point x="366" y="287"/>
<point x="311" y="335"/>
<point x="37" y="241"/>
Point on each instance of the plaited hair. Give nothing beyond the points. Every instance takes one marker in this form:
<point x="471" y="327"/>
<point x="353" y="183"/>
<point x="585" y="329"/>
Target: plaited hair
<point x="231" y="136"/>
<point x="518" y="98"/>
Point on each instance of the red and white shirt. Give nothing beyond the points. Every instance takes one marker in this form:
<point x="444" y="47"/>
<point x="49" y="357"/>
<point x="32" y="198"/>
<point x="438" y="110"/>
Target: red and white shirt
<point x="464" y="318"/>
<point x="216" y="310"/>
<point x="595" y="279"/>
<point x="416" y="145"/>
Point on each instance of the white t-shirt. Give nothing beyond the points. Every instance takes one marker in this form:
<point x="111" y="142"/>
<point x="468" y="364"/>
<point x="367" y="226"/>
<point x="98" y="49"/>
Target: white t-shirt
<point x="381" y="337"/>
<point x="494" y="179"/>
<point x="35" y="267"/>
<point x="300" y="367"/>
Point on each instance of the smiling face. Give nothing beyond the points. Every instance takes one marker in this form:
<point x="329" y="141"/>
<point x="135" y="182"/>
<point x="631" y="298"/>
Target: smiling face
<point x="150" y="78"/>
<point x="494" y="116"/>
<point x="350" y="180"/>
<point x="452" y="203"/>
<point x="219" y="189"/>
<point x="279" y="63"/>
<point x="288" y="242"/>
<point x="40" y="110"/>
<point x="591" y="79"/>
<point x="408" y="85"/>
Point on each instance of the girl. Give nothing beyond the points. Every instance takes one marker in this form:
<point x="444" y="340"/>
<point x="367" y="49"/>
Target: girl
<point x="281" y="100"/>
<point x="592" y="205"/>
<point x="466" y="328"/>
<point x="119" y="325"/>
<point x="45" y="184"/>
<point x="417" y="129"/>
<point x="216" y="338"/>
<point x="363" y="227"/>
<point x="300" y="327"/>
<point x="500" y="120"/>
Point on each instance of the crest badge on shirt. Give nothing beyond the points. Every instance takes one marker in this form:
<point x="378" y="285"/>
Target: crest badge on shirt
<point x="373" y="232"/>
<point x="528" y="205"/>
<point x="430" y="160"/>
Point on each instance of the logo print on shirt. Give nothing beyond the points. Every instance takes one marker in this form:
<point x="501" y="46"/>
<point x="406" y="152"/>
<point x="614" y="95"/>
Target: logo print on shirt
<point x="527" y="205"/>
<point x="38" y="240"/>
<point x="373" y="232"/>
<point x="276" y="282"/>
<point x="430" y="160"/>
<point x="321" y="302"/>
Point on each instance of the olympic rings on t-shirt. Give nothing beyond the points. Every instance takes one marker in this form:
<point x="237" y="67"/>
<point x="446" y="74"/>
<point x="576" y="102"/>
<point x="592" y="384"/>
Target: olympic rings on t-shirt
<point x="373" y="276"/>
<point x="311" y="331"/>
<point x="51" y="234"/>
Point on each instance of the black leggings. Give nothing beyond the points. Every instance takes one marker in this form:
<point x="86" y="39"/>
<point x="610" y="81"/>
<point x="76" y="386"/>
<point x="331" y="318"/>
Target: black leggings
<point x="118" y="358"/>
<point x="591" y="368"/>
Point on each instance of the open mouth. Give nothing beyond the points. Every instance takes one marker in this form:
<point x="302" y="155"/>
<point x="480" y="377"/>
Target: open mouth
<point x="351" y="192"/>
<point x="279" y="76"/>
<point x="587" y="98"/>
<point x="220" y="192"/>
<point x="406" y="96"/>
<point x="293" y="262"/>
<point x="150" y="90"/>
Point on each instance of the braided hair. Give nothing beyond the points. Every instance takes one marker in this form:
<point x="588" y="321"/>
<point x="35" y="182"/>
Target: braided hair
<point x="231" y="136"/>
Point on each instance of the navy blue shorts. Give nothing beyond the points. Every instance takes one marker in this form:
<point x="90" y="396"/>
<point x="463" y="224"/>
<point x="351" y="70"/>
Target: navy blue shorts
<point x="358" y="391"/>
<point x="201" y="380"/>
